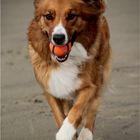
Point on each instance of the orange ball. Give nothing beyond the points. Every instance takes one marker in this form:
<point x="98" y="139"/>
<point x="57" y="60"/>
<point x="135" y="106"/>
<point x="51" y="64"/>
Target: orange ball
<point x="60" y="50"/>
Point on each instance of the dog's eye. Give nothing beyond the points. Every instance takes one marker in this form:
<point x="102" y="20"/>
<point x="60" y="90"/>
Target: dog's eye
<point x="49" y="17"/>
<point x="71" y="16"/>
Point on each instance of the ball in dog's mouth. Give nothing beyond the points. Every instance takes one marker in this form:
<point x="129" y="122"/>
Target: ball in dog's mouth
<point x="61" y="53"/>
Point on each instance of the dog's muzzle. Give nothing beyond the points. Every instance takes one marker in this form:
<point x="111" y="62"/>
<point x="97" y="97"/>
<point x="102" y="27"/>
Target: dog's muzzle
<point x="59" y="50"/>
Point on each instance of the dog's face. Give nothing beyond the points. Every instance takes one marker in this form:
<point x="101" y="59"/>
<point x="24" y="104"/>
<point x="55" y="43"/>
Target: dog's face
<point x="61" y="19"/>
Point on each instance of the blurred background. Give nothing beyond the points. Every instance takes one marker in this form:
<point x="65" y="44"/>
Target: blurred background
<point x="25" y="113"/>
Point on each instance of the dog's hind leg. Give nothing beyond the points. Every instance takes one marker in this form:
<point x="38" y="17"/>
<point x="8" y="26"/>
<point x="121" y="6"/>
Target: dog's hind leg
<point x="66" y="106"/>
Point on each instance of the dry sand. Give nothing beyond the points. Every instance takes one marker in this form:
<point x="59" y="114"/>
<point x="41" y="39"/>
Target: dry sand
<point x="25" y="113"/>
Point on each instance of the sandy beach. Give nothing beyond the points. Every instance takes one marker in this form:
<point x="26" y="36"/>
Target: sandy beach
<point x="25" y="114"/>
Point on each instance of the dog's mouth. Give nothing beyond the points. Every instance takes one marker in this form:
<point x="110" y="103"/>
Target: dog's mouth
<point x="62" y="58"/>
<point x="60" y="52"/>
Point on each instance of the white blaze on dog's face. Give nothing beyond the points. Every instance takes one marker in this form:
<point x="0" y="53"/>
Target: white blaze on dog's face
<point x="59" y="35"/>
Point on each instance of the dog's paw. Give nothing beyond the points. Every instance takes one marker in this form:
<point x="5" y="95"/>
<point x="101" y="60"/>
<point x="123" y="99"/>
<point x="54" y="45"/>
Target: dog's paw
<point x="66" y="132"/>
<point x="85" y="134"/>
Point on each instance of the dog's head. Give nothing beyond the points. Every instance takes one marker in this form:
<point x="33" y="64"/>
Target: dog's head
<point x="61" y="20"/>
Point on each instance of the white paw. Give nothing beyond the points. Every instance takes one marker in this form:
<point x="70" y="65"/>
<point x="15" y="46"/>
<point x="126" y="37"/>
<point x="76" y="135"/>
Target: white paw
<point x="85" y="134"/>
<point x="66" y="132"/>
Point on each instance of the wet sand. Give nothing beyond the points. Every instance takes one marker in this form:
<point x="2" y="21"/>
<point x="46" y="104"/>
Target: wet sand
<point x="25" y="112"/>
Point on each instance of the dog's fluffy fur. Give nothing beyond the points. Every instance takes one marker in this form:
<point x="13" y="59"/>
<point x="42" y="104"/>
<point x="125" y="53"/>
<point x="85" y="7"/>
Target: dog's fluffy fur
<point x="72" y="88"/>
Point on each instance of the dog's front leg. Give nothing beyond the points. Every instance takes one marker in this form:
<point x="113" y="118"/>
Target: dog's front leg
<point x="72" y="121"/>
<point x="55" y="105"/>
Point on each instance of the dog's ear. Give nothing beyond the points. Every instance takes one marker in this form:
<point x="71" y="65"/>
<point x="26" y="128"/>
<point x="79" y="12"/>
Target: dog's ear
<point x="37" y="13"/>
<point x="36" y="3"/>
<point x="98" y="5"/>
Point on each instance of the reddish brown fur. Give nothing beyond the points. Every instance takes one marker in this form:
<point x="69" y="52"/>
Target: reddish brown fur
<point x="93" y="33"/>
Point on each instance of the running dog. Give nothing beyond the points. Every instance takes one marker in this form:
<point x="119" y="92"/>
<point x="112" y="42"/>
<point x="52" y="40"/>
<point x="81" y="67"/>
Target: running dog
<point x="71" y="56"/>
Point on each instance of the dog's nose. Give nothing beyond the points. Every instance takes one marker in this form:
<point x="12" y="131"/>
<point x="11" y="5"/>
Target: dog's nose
<point x="59" y="39"/>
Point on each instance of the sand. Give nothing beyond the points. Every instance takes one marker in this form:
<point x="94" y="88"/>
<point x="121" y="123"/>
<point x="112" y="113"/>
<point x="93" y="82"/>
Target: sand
<point x="25" y="112"/>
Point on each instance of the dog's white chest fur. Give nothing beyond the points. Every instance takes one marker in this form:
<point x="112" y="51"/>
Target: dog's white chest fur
<point x="64" y="80"/>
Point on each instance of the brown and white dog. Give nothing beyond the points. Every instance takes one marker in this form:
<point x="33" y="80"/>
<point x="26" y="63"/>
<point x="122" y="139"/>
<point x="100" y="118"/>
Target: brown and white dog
<point x="72" y="82"/>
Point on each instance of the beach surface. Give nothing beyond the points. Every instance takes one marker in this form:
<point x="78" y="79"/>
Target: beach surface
<point x="25" y="114"/>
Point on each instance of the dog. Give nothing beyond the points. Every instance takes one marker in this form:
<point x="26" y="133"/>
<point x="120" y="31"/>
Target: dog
<point x="71" y="56"/>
